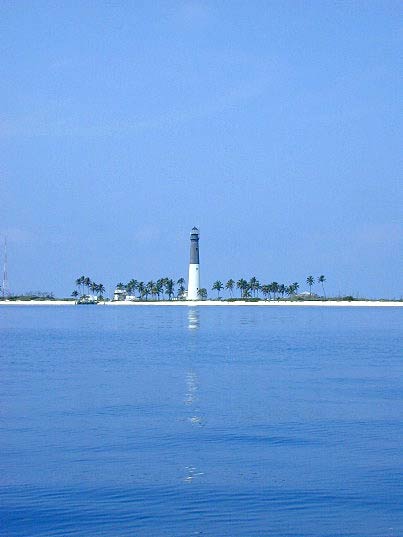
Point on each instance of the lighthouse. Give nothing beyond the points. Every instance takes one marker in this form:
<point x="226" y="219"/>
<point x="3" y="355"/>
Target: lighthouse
<point x="194" y="267"/>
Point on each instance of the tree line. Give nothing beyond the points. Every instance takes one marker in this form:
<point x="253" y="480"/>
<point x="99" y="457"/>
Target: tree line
<point x="252" y="288"/>
<point x="163" y="287"/>
<point x="85" y="285"/>
<point x="168" y="288"/>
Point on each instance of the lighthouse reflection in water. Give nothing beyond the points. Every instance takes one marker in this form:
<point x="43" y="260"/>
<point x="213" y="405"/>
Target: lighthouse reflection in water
<point x="193" y="418"/>
<point x="193" y="318"/>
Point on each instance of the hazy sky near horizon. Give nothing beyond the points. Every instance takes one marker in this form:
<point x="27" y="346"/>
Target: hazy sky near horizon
<point x="274" y="126"/>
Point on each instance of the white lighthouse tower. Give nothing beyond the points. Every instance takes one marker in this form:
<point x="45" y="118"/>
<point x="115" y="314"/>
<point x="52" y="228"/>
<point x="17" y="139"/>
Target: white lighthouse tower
<point x="194" y="267"/>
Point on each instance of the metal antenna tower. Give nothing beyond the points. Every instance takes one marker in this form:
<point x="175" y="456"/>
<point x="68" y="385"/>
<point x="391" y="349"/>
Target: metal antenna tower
<point x="4" y="288"/>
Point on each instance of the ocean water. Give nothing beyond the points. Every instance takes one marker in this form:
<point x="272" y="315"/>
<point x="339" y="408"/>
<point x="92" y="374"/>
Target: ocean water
<point x="212" y="421"/>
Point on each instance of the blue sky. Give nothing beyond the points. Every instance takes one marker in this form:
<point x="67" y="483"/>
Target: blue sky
<point x="274" y="126"/>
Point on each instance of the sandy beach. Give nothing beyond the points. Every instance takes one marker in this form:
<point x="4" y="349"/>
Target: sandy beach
<point x="273" y="303"/>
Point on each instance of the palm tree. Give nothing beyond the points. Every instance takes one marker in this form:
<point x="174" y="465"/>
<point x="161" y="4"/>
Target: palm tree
<point x="131" y="286"/>
<point x="202" y="293"/>
<point x="87" y="283"/>
<point x="101" y="290"/>
<point x="266" y="290"/>
<point x="150" y="285"/>
<point x="80" y="283"/>
<point x="93" y="287"/>
<point x="159" y="287"/>
<point x="141" y="289"/>
<point x="217" y="286"/>
<point x="322" y="280"/>
<point x="294" y="288"/>
<point x="254" y="285"/>
<point x="166" y="280"/>
<point x="120" y="286"/>
<point x="169" y="288"/>
<point x="281" y="290"/>
<point x="154" y="291"/>
<point x="162" y="282"/>
<point x="291" y="289"/>
<point x="310" y="281"/>
<point x="181" y="288"/>
<point x="274" y="289"/>
<point x="83" y="280"/>
<point x="230" y="286"/>
<point x="74" y="293"/>
<point x="247" y="293"/>
<point x="242" y="285"/>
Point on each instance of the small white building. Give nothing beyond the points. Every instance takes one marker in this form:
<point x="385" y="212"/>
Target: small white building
<point x="131" y="298"/>
<point x="119" y="295"/>
<point x="307" y="294"/>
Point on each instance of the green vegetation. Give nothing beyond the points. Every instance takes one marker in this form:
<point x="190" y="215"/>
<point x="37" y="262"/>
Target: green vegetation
<point x="250" y="290"/>
<point x="322" y="280"/>
<point x="230" y="286"/>
<point x="162" y="288"/>
<point x="310" y="281"/>
<point x="85" y="285"/>
<point x="31" y="295"/>
<point x="217" y="286"/>
<point x="181" y="288"/>
<point x="202" y="293"/>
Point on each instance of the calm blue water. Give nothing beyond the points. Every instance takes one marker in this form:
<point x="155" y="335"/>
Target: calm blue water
<point x="210" y="421"/>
